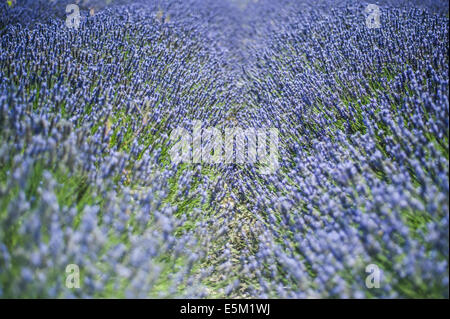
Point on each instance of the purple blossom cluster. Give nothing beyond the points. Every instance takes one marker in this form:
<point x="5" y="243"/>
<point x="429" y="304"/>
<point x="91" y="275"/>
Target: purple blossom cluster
<point x="86" y="177"/>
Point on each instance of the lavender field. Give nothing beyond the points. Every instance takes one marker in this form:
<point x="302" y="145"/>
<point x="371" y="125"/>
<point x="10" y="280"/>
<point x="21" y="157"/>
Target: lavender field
<point x="93" y="203"/>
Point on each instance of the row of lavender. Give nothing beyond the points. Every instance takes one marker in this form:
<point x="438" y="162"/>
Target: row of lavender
<point x="85" y="175"/>
<point x="86" y="179"/>
<point x="363" y="118"/>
